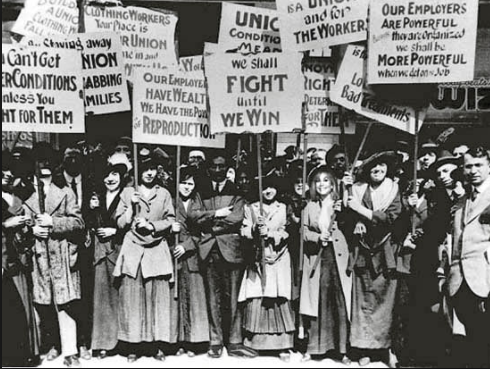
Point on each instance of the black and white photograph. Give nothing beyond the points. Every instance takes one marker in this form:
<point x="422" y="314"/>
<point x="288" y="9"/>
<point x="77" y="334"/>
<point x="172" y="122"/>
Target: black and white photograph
<point x="240" y="184"/>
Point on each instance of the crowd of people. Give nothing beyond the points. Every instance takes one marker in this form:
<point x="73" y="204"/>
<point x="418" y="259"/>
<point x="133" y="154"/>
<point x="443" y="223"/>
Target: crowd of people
<point x="103" y="254"/>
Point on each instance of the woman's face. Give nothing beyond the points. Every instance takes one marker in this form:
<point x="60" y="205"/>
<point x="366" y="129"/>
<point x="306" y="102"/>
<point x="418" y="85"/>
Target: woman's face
<point x="112" y="181"/>
<point x="378" y="173"/>
<point x="149" y="175"/>
<point x="269" y="193"/>
<point x="298" y="187"/>
<point x="323" y="185"/>
<point x="186" y="187"/>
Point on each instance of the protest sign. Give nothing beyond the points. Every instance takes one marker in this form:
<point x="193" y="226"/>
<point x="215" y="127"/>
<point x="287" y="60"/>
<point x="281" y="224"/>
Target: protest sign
<point x="422" y="42"/>
<point x="326" y="52"/>
<point x="249" y="29"/>
<point x="104" y="81"/>
<point x="254" y="93"/>
<point x="322" y="115"/>
<point x="210" y="48"/>
<point x="170" y="107"/>
<point x="192" y="64"/>
<point x="147" y="36"/>
<point x="314" y="24"/>
<point x="42" y="90"/>
<point x="350" y="90"/>
<point x="43" y="18"/>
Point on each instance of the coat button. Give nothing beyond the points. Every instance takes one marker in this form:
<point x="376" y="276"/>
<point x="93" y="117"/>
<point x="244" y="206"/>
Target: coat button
<point x="336" y="240"/>
<point x="340" y="255"/>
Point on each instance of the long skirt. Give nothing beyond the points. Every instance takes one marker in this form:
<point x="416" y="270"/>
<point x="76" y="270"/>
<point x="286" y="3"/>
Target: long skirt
<point x="269" y="324"/>
<point x="330" y="330"/>
<point x="148" y="311"/>
<point x="372" y="310"/>
<point x="106" y="305"/>
<point x="15" y="330"/>
<point x="25" y="292"/>
<point x="193" y="313"/>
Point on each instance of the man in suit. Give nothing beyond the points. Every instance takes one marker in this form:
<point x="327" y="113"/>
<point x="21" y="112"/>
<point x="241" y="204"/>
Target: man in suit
<point x="220" y="251"/>
<point x="469" y="275"/>
<point x="71" y="175"/>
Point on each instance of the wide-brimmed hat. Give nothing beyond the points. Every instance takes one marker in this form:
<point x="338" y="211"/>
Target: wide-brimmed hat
<point x="273" y="181"/>
<point x="445" y="157"/>
<point x="335" y="150"/>
<point x="387" y="157"/>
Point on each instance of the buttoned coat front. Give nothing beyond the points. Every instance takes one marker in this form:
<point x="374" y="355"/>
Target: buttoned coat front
<point x="149" y="252"/>
<point x="61" y="204"/>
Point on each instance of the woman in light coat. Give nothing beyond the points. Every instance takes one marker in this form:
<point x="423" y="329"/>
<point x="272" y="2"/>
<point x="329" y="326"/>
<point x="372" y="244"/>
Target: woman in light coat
<point x="268" y="317"/>
<point x="326" y="290"/>
<point x="147" y="308"/>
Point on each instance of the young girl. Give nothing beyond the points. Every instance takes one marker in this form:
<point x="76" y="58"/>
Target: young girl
<point x="268" y="318"/>
<point x="326" y="287"/>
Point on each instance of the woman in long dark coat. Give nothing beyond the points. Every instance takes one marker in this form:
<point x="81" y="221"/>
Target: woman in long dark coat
<point x="106" y="241"/>
<point x="193" y="315"/>
<point x="375" y="205"/>
<point x="15" y="330"/>
<point x="21" y="343"/>
<point x="325" y="301"/>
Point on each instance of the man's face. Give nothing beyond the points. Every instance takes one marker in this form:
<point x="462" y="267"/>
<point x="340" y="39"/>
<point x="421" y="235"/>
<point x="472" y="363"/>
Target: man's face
<point x="338" y="163"/>
<point x="124" y="149"/>
<point x="444" y="174"/>
<point x="427" y="160"/>
<point x="217" y="170"/>
<point x="72" y="162"/>
<point x="243" y="182"/>
<point x="318" y="158"/>
<point x="476" y="170"/>
<point x="459" y="151"/>
<point x="196" y="161"/>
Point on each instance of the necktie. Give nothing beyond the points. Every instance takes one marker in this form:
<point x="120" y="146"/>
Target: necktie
<point x="216" y="188"/>
<point x="74" y="187"/>
<point x="474" y="195"/>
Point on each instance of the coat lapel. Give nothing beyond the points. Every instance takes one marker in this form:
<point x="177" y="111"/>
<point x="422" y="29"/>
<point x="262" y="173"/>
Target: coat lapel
<point x="54" y="198"/>
<point x="477" y="208"/>
<point x="113" y="207"/>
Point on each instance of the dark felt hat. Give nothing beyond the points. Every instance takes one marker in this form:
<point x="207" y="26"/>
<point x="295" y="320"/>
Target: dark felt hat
<point x="445" y="157"/>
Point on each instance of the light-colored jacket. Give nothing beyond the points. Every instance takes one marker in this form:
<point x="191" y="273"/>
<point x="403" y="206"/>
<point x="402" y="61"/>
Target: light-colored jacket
<point x="61" y="204"/>
<point x="151" y="252"/>
<point x="310" y="288"/>
<point x="471" y="244"/>
<point x="278" y="274"/>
